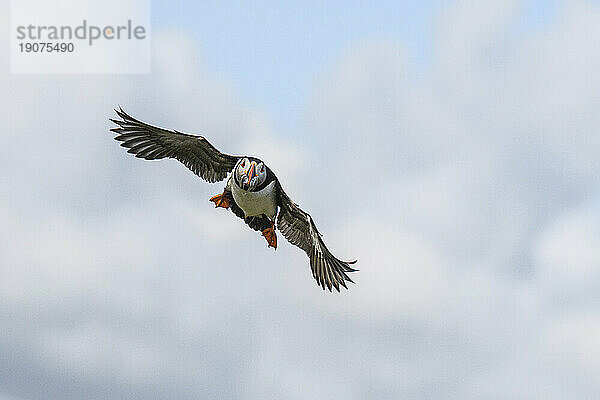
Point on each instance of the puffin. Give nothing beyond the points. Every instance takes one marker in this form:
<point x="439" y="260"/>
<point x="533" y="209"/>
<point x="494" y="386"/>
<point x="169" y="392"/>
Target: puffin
<point x="252" y="192"/>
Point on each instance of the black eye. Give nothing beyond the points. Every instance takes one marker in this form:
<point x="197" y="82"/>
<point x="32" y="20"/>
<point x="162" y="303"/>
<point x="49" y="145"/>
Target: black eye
<point x="243" y="164"/>
<point x="262" y="169"/>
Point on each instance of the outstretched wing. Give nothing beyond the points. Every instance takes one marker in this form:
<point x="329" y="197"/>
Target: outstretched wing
<point x="152" y="143"/>
<point x="299" y="229"/>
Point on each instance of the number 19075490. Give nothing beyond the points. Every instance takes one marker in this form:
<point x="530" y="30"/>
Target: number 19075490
<point x="46" y="47"/>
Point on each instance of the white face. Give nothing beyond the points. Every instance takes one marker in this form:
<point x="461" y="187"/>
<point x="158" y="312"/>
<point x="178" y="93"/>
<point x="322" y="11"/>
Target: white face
<point x="250" y="174"/>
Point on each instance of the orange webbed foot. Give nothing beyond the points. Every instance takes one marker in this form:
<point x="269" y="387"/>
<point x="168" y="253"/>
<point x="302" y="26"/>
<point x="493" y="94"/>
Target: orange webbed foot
<point x="220" y="200"/>
<point x="271" y="236"/>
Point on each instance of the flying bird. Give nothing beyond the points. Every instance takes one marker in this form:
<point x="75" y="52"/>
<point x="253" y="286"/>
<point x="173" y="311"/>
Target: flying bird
<point x="252" y="192"/>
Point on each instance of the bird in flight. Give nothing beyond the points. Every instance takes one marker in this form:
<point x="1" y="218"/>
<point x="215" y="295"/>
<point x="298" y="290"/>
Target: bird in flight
<point x="252" y="192"/>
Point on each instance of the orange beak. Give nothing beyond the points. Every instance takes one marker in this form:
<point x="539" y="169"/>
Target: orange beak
<point x="251" y="172"/>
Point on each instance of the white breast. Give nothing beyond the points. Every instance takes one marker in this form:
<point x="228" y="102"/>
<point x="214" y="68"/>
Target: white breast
<point x="255" y="203"/>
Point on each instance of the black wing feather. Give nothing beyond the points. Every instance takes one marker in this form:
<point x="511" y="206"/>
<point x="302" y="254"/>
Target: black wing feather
<point x="300" y="230"/>
<point x="153" y="143"/>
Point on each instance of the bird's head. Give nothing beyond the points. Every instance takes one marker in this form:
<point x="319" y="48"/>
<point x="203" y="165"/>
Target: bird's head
<point x="250" y="174"/>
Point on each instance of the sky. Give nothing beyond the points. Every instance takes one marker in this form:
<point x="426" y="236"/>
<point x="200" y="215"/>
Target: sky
<point x="451" y="146"/>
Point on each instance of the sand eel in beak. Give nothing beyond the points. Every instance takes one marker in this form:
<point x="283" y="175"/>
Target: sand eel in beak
<point x="252" y="192"/>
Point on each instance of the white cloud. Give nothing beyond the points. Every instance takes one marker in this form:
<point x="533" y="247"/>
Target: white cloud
<point x="570" y="346"/>
<point x="106" y="258"/>
<point x="567" y="253"/>
<point x="402" y="275"/>
<point x="453" y="192"/>
<point x="476" y="165"/>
